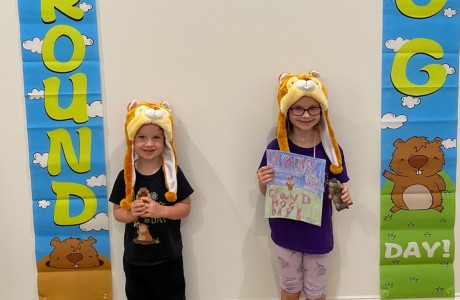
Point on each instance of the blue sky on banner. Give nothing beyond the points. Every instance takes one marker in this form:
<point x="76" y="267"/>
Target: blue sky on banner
<point x="433" y="115"/>
<point x="33" y="32"/>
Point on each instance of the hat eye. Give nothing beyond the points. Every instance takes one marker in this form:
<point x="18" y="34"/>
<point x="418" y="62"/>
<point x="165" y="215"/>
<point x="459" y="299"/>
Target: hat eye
<point x="291" y="82"/>
<point x="140" y="109"/>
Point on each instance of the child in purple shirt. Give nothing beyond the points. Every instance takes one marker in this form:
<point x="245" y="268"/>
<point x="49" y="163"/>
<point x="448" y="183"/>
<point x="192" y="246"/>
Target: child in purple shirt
<point x="304" y="128"/>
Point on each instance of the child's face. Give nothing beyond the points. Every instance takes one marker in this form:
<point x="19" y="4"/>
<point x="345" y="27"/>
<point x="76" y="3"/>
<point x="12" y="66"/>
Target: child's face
<point x="149" y="142"/>
<point x="300" y="118"/>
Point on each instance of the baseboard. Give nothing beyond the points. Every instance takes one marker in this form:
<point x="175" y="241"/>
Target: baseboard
<point x="370" y="297"/>
<point x="457" y="296"/>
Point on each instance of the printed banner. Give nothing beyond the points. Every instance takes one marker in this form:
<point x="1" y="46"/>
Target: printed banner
<point x="420" y="60"/>
<point x="296" y="191"/>
<point x="62" y="93"/>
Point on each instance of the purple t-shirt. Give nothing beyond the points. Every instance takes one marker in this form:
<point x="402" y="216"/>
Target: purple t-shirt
<point x="298" y="235"/>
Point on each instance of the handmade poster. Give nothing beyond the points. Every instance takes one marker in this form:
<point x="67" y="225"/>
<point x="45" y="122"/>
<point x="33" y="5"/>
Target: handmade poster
<point x="296" y="191"/>
<point x="62" y="94"/>
<point x="419" y="119"/>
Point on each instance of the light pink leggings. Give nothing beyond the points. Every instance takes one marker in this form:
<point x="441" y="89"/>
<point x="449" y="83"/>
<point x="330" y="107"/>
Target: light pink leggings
<point x="302" y="272"/>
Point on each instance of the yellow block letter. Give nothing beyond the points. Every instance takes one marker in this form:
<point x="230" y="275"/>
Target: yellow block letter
<point x="77" y="110"/>
<point x="64" y="6"/>
<point x="436" y="73"/>
<point x="63" y="190"/>
<point x="49" y="59"/>
<point x="412" y="10"/>
<point x="60" y="137"/>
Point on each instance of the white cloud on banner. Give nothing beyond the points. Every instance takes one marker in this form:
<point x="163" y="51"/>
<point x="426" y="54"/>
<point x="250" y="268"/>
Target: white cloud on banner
<point x="95" y="109"/>
<point x="98" y="223"/>
<point x="392" y="121"/>
<point x="396" y="44"/>
<point x="450" y="70"/>
<point x="449" y="143"/>
<point x="41" y="159"/>
<point x="88" y="41"/>
<point x="36" y="94"/>
<point x="34" y="45"/>
<point x="450" y="12"/>
<point x="85" y="6"/>
<point x="410" y="102"/>
<point x="100" y="180"/>
<point x="43" y="203"/>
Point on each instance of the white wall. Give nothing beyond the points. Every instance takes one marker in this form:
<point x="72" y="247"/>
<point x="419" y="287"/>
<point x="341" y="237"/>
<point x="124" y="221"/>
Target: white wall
<point x="217" y="63"/>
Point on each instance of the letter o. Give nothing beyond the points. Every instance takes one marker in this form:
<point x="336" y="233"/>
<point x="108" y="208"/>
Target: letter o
<point x="49" y="59"/>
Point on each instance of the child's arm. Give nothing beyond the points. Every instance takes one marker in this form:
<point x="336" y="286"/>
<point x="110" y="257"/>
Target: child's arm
<point x="177" y="211"/>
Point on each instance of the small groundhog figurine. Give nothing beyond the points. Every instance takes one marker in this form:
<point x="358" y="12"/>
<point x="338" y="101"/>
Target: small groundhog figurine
<point x="143" y="234"/>
<point x="143" y="192"/>
<point x="335" y="189"/>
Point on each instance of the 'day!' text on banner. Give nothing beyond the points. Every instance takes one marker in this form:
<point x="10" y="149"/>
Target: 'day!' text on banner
<point x="62" y="94"/>
<point x="420" y="63"/>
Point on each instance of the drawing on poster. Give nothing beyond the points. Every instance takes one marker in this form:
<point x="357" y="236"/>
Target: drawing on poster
<point x="296" y="191"/>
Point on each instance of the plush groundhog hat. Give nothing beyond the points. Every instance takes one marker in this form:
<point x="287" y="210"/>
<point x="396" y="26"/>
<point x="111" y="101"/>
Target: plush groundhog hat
<point x="141" y="113"/>
<point x="295" y="86"/>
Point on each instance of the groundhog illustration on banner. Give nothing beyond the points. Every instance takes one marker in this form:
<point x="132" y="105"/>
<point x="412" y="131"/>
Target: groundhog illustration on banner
<point x="416" y="164"/>
<point x="74" y="253"/>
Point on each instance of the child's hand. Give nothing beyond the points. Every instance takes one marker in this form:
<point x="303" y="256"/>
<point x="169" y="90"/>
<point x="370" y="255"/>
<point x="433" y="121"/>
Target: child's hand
<point x="265" y="175"/>
<point x="138" y="208"/>
<point x="346" y="198"/>
<point x="153" y="209"/>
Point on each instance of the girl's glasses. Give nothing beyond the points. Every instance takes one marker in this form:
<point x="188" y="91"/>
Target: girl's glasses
<point x="299" y="111"/>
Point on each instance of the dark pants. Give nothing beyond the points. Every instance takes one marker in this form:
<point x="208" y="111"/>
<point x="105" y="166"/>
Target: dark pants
<point x="160" y="282"/>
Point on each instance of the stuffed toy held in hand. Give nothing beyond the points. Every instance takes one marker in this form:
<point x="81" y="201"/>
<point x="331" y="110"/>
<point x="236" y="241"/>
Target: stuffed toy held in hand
<point x="295" y="86"/>
<point x="141" y="113"/>
<point x="335" y="190"/>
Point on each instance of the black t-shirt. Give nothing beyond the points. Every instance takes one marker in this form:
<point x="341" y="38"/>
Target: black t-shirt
<point x="164" y="242"/>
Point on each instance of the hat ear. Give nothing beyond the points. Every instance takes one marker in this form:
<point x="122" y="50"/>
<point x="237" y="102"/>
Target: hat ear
<point x="132" y="104"/>
<point x="315" y="73"/>
<point x="282" y="76"/>
<point x="166" y="105"/>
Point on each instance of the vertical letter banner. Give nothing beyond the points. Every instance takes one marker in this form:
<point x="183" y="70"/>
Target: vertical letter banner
<point x="420" y="51"/>
<point x="62" y="93"/>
